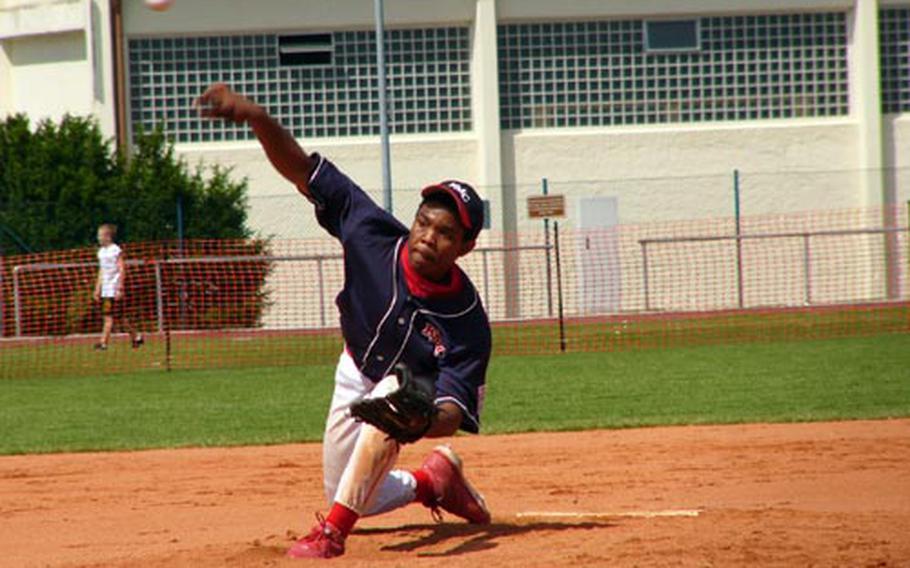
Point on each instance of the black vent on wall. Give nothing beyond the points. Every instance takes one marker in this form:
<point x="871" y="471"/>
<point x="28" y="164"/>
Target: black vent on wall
<point x="672" y="35"/>
<point x="305" y="50"/>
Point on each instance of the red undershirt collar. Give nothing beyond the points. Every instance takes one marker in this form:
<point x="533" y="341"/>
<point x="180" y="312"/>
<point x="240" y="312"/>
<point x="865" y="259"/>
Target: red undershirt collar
<point x="423" y="288"/>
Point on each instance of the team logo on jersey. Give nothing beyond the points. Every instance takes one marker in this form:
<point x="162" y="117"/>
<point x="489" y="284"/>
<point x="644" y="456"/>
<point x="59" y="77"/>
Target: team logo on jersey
<point x="435" y="337"/>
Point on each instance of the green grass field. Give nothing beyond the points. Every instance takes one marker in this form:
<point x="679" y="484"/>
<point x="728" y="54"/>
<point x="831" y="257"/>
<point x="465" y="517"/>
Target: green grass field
<point x="848" y="378"/>
<point x="70" y="357"/>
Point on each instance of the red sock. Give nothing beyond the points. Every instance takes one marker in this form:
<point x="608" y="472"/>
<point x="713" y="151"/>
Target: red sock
<point x="342" y="518"/>
<point x="425" y="493"/>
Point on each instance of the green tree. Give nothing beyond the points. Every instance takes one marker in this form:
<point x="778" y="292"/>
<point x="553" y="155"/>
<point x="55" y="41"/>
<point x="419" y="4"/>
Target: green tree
<point x="59" y="181"/>
<point x="53" y="182"/>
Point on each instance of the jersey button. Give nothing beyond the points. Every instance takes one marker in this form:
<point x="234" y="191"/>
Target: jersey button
<point x="401" y="321"/>
<point x="380" y="358"/>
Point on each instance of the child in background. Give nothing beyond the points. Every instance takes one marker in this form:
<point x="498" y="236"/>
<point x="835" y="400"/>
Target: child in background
<point x="109" y="287"/>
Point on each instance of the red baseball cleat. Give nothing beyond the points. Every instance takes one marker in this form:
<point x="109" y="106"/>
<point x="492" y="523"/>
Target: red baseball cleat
<point x="324" y="541"/>
<point x="452" y="491"/>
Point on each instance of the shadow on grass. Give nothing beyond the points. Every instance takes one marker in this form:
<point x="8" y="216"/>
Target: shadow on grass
<point x="468" y="538"/>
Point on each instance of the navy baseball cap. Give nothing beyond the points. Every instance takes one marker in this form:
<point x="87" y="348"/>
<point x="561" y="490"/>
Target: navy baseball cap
<point x="469" y="204"/>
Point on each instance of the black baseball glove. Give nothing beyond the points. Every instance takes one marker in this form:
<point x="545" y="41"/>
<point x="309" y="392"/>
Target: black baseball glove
<point x="405" y="414"/>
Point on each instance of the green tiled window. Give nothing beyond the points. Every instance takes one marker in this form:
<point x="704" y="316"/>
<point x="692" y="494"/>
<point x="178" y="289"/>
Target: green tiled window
<point x="428" y="82"/>
<point x="597" y="73"/>
<point x="894" y="51"/>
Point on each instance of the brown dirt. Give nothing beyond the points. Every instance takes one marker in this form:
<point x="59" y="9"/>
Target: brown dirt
<point x="831" y="494"/>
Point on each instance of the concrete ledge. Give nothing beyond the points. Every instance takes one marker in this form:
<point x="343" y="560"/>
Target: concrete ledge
<point x="42" y="19"/>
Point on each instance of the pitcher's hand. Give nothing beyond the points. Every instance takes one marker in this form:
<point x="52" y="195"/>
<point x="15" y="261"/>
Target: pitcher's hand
<point x="219" y="101"/>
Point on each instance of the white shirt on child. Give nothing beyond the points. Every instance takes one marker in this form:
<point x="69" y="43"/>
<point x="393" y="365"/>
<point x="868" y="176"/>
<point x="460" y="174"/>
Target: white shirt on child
<point x="110" y="271"/>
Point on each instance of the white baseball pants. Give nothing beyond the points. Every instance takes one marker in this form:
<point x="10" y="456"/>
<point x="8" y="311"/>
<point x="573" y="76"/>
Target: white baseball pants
<point x="357" y="458"/>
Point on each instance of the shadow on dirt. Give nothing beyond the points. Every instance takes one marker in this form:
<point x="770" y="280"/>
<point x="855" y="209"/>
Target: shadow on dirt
<point x="468" y="538"/>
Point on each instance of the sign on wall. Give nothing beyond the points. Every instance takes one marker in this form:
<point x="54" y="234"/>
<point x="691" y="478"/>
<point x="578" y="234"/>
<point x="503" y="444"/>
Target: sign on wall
<point x="546" y="206"/>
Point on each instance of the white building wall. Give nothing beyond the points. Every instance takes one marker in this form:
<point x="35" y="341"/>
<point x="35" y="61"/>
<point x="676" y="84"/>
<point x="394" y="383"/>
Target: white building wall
<point x="55" y="59"/>
<point x="659" y="174"/>
<point x="662" y="173"/>
<point x="417" y="160"/>
<point x="276" y="208"/>
<point x="672" y="172"/>
<point x="576" y="9"/>
<point x="39" y="65"/>
<point x="6" y="84"/>
<point x="865" y="98"/>
<point x="100" y="56"/>
<point x="897" y="154"/>
<point x="243" y="16"/>
<point x="624" y="161"/>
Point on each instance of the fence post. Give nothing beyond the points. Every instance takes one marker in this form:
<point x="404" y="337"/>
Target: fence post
<point x="892" y="254"/>
<point x="562" y="323"/>
<point x="321" y="292"/>
<point x="904" y="270"/>
<point x="545" y="189"/>
<point x="159" y="299"/>
<point x="807" y="268"/>
<point x="167" y="324"/>
<point x="644" y="273"/>
<point x="486" y="278"/>
<point x="17" y="306"/>
<point x="180" y="224"/>
<point x="2" y="298"/>
<point x="739" y="241"/>
<point x="180" y="253"/>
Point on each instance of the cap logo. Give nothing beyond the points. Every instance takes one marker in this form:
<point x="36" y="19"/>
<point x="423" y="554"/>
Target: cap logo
<point x="462" y="191"/>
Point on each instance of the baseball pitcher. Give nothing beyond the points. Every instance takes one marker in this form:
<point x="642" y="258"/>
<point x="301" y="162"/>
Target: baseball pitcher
<point x="417" y="339"/>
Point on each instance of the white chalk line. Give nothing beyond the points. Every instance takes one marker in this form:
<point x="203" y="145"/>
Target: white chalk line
<point x="608" y="515"/>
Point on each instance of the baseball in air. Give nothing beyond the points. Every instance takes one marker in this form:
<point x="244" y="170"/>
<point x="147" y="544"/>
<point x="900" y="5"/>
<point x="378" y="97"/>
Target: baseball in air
<point x="159" y="5"/>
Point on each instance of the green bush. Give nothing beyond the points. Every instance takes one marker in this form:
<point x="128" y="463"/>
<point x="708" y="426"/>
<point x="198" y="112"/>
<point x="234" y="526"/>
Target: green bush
<point x="59" y="181"/>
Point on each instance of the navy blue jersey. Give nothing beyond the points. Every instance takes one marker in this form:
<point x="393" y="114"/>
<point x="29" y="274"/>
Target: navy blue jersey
<point x="385" y="320"/>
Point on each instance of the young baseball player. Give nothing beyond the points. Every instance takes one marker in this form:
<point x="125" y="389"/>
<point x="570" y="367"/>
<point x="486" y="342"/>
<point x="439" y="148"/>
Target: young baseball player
<point x="417" y="340"/>
<point x="109" y="287"/>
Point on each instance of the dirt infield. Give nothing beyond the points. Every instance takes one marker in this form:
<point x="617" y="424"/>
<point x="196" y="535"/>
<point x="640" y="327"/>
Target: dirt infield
<point x="831" y="494"/>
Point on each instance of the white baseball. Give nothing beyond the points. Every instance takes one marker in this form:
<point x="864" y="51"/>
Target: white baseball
<point x="159" y="5"/>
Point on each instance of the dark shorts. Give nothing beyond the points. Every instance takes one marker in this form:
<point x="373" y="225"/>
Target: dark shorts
<point x="111" y="307"/>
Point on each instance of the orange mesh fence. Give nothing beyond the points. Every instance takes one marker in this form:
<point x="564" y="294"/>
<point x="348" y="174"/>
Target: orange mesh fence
<point x="215" y="304"/>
